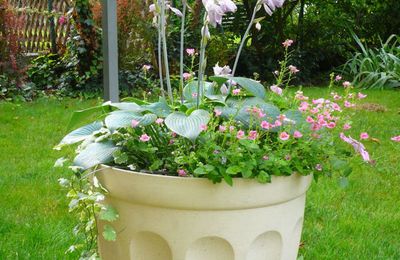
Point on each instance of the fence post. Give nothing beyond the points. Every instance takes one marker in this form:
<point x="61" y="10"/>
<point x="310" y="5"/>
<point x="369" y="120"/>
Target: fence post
<point x="110" y="51"/>
<point x="53" y="36"/>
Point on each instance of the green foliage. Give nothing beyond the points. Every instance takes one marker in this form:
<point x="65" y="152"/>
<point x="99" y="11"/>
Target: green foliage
<point x="376" y="67"/>
<point x="10" y="90"/>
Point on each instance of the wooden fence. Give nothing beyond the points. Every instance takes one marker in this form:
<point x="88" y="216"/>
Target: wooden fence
<point x="38" y="23"/>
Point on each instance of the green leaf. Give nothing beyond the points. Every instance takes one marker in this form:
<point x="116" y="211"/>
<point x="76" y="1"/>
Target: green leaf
<point x="95" y="154"/>
<point x="81" y="133"/>
<point x="108" y="213"/>
<point x="82" y="115"/>
<point x="123" y="118"/>
<point x="109" y="233"/>
<point x="228" y="179"/>
<point x="160" y="108"/>
<point x="129" y="106"/>
<point x="263" y="177"/>
<point x="187" y="126"/>
<point x="233" y="170"/>
<point x="252" y="86"/>
<point x="343" y="182"/>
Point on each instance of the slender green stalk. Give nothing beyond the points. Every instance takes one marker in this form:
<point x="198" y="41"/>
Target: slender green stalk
<point x="165" y="51"/>
<point x="160" y="70"/>
<point x="182" y="47"/>
<point x="202" y="64"/>
<point x="256" y="8"/>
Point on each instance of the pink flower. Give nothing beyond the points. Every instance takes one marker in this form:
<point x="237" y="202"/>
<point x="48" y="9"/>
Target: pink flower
<point x="315" y="127"/>
<point x="281" y="117"/>
<point x="191" y="52"/>
<point x="284" y="136"/>
<point x="318" y="167"/>
<point x="346" y="84"/>
<point x="203" y="127"/>
<point x="293" y="69"/>
<point x="231" y="128"/>
<point x="277" y="123"/>
<point x="348" y="104"/>
<point x="144" y="138"/>
<point x="146" y="67"/>
<point x="297" y="134"/>
<point x="194" y="95"/>
<point x="62" y="20"/>
<point x="134" y="123"/>
<point x="314" y="110"/>
<point x="288" y="157"/>
<point x="265" y="125"/>
<point x="361" y="95"/>
<point x="358" y="147"/>
<point x="240" y="134"/>
<point x="171" y="141"/>
<point x="173" y="134"/>
<point x="236" y="91"/>
<point x="159" y="121"/>
<point x="331" y="125"/>
<point x="222" y="128"/>
<point x="216" y="151"/>
<point x="364" y="136"/>
<point x="187" y="76"/>
<point x="253" y="135"/>
<point x="346" y="126"/>
<point x="338" y="78"/>
<point x="336" y="107"/>
<point x="309" y="119"/>
<point x="395" y="138"/>
<point x="217" y="112"/>
<point x="181" y="172"/>
<point x="277" y="90"/>
<point x="265" y="157"/>
<point x="287" y="43"/>
<point x="337" y="97"/>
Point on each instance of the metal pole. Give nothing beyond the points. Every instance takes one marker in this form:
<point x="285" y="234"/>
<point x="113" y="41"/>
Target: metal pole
<point x="110" y="51"/>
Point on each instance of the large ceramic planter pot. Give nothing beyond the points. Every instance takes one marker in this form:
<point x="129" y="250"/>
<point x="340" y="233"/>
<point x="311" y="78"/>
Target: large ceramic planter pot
<point x="172" y="218"/>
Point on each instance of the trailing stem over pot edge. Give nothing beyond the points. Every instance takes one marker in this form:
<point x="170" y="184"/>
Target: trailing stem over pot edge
<point x="220" y="127"/>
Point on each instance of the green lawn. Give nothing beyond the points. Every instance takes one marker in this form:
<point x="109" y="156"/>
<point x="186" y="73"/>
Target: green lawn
<point x="359" y="222"/>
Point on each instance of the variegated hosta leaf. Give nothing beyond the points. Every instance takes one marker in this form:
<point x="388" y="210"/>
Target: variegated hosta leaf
<point x="129" y="106"/>
<point x="252" y="86"/>
<point x="294" y="117"/>
<point x="95" y="154"/>
<point x="190" y="90"/>
<point x="160" y="108"/>
<point x="188" y="126"/>
<point x="123" y="118"/>
<point x="81" y="133"/>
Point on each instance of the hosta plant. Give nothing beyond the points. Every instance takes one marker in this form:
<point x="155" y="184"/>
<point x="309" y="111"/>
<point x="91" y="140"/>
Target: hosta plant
<point x="219" y="127"/>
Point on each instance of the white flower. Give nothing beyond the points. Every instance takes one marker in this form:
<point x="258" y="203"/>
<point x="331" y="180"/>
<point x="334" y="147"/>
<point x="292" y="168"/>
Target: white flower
<point x="271" y="5"/>
<point x="258" y="26"/>
<point x="222" y="71"/>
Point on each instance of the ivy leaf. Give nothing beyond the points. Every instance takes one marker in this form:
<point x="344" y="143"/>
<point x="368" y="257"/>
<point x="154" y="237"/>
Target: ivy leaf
<point x="108" y="213"/>
<point x="109" y="233"/>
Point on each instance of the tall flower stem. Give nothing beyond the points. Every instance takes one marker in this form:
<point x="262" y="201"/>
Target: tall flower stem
<point x="256" y="8"/>
<point x="165" y="51"/>
<point x="202" y="61"/>
<point x="160" y="65"/>
<point x="182" y="48"/>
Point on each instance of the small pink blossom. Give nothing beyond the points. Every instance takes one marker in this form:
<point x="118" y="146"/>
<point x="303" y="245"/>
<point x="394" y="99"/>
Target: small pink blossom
<point x="293" y="69"/>
<point x="240" y="134"/>
<point x="309" y="119"/>
<point x="159" y="121"/>
<point x="265" y="157"/>
<point x="337" y="97"/>
<point x="318" y="101"/>
<point x="187" y="76"/>
<point x="284" y="136"/>
<point x="364" y="136"/>
<point x="346" y="84"/>
<point x="297" y="134"/>
<point x="253" y="135"/>
<point x="222" y="128"/>
<point x="265" y="125"/>
<point x="336" y="107"/>
<point x="348" y="104"/>
<point x="346" y="126"/>
<point x="315" y="127"/>
<point x="236" y="91"/>
<point x="217" y="112"/>
<point x="318" y="167"/>
<point x="62" y="20"/>
<point x="314" y="110"/>
<point x="287" y="43"/>
<point x="181" y="172"/>
<point x="146" y="67"/>
<point x="361" y="95"/>
<point x="304" y="106"/>
<point x="277" y="123"/>
<point x="231" y="128"/>
<point x="277" y="90"/>
<point x="144" y="138"/>
<point x="173" y="134"/>
<point x="203" y="127"/>
<point x="338" y="78"/>
<point x="134" y="123"/>
<point x="191" y="52"/>
<point x="331" y="125"/>
<point x="395" y="138"/>
<point x="281" y="117"/>
<point x="194" y="95"/>
<point x="171" y="141"/>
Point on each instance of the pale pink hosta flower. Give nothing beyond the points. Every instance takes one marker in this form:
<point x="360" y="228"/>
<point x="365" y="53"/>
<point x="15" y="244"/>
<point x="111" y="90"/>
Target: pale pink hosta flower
<point x="215" y="10"/>
<point x="222" y="71"/>
<point x="361" y="95"/>
<point x="190" y="51"/>
<point x="309" y="119"/>
<point x="174" y="10"/>
<point x="293" y="69"/>
<point x="227" y="6"/>
<point x="346" y="126"/>
<point x="346" y="84"/>
<point x="348" y="104"/>
<point x="287" y="43"/>
<point x="240" y="134"/>
<point x="265" y="125"/>
<point x="146" y="67"/>
<point x="253" y="135"/>
<point x="203" y="127"/>
<point x="364" y="136"/>
<point x="134" y="123"/>
<point x="222" y="128"/>
<point x="181" y="172"/>
<point x="297" y="134"/>
<point x="338" y="78"/>
<point x="152" y="8"/>
<point x="284" y="136"/>
<point x="331" y="125"/>
<point x="358" y="147"/>
<point x="277" y="90"/>
<point x="217" y="112"/>
<point x="318" y="167"/>
<point x="144" y="138"/>
<point x="159" y="121"/>
<point x="395" y="138"/>
<point x="205" y="32"/>
<point x="236" y="91"/>
<point x="187" y="76"/>
<point x="258" y="26"/>
<point x="271" y="5"/>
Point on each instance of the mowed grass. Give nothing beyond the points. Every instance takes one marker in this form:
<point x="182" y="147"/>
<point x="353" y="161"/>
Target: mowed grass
<point x="359" y="222"/>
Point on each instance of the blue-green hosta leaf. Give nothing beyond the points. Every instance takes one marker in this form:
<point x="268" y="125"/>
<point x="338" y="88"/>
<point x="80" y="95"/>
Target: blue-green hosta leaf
<point x="295" y="117"/>
<point x="129" y="106"/>
<point x="252" y="86"/>
<point x="81" y="133"/>
<point x="95" y="154"/>
<point x="109" y="233"/>
<point x="160" y="108"/>
<point x="187" y="126"/>
<point x="190" y="90"/>
<point x="123" y="118"/>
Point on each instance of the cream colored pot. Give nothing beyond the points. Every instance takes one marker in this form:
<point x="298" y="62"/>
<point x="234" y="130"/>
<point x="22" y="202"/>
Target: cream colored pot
<point x="172" y="218"/>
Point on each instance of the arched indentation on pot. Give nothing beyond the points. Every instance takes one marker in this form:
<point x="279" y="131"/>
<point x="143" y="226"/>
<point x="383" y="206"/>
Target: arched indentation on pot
<point x="267" y="246"/>
<point x="210" y="248"/>
<point x="149" y="246"/>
